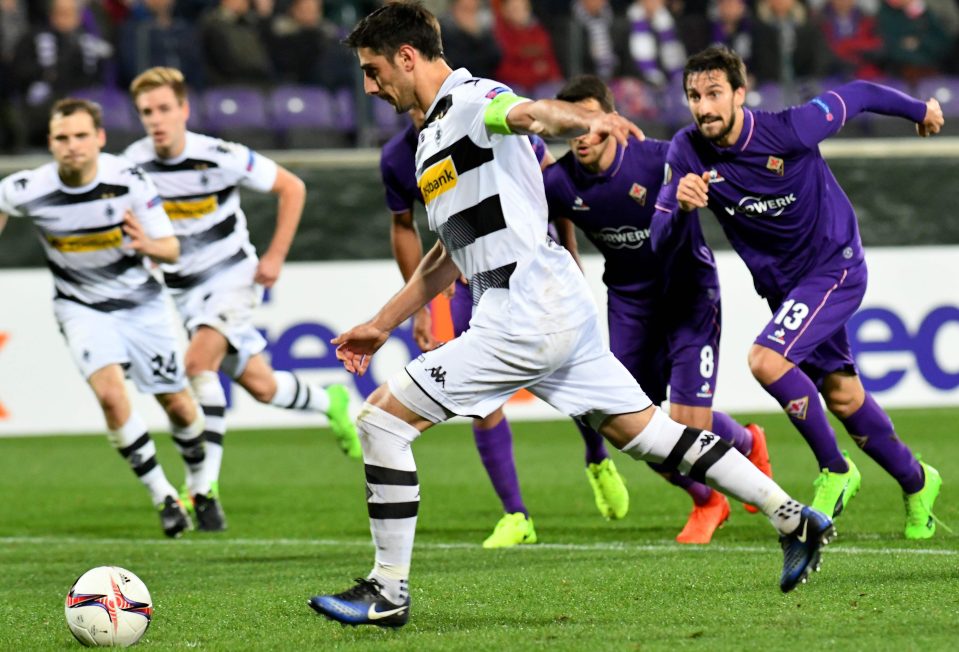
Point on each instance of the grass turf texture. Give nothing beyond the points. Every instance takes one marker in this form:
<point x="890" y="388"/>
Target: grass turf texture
<point x="298" y="527"/>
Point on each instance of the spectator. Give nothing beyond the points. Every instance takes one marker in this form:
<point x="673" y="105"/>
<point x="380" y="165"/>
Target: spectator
<point x="306" y="47"/>
<point x="914" y="39"/>
<point x="233" y="38"/>
<point x="52" y="61"/>
<point x="528" y="57"/>
<point x="656" y="50"/>
<point x="159" y="39"/>
<point x="852" y="38"/>
<point x="468" y="40"/>
<point x="602" y="36"/>
<point x="13" y="25"/>
<point x="732" y="25"/>
<point x="787" y="45"/>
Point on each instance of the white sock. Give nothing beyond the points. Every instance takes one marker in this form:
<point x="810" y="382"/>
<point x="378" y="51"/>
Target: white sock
<point x="295" y="393"/>
<point x="393" y="496"/>
<point x="189" y="442"/>
<point x="704" y="457"/>
<point x="212" y="400"/>
<point x="133" y="442"/>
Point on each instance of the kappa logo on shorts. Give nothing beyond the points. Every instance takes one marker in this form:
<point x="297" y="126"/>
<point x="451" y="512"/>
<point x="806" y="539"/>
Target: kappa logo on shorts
<point x="797" y="408"/>
<point x="705" y="441"/>
<point x="438" y="375"/>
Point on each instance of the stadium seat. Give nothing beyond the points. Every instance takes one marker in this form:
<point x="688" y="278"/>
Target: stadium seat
<point x="673" y="108"/>
<point x="386" y="120"/>
<point x="119" y="116"/>
<point x="238" y="113"/>
<point x="195" y="121"/>
<point x="305" y="117"/>
<point x="639" y="102"/>
<point x="944" y="89"/>
<point x="344" y="104"/>
<point x="767" y="97"/>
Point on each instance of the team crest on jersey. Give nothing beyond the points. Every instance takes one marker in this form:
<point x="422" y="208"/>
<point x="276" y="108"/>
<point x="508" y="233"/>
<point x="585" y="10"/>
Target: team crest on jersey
<point x="437" y="179"/>
<point x="776" y="165"/>
<point x="638" y="193"/>
<point x="190" y="209"/>
<point x="797" y="407"/>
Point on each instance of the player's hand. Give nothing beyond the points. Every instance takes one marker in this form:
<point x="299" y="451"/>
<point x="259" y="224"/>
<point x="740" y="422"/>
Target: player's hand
<point x="268" y="271"/>
<point x="138" y="240"/>
<point x="933" y="122"/>
<point x="603" y="125"/>
<point x="355" y="347"/>
<point x="423" y="330"/>
<point x="692" y="191"/>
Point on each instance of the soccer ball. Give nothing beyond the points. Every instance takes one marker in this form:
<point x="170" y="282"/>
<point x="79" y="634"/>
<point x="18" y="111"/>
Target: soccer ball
<point x="108" y="606"/>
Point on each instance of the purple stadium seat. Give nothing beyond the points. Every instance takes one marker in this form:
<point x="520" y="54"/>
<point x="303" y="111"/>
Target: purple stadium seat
<point x="944" y="89"/>
<point x="386" y="120"/>
<point x="238" y="113"/>
<point x="546" y="90"/>
<point x="119" y="116"/>
<point x="306" y="116"/>
<point x="766" y="97"/>
<point x="344" y="103"/>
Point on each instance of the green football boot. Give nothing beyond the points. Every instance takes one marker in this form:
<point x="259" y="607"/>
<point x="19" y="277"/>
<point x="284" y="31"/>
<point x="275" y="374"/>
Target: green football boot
<point x="920" y="521"/>
<point x="835" y="490"/>
<point x="512" y="530"/>
<point x="340" y="422"/>
<point x="609" y="489"/>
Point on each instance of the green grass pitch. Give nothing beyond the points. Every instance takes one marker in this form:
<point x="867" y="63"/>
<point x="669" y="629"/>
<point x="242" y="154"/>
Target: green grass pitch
<point x="298" y="527"/>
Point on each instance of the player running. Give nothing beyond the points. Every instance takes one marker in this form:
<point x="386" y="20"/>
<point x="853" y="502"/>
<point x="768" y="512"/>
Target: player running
<point x="664" y="316"/>
<point x="764" y="178"/>
<point x="534" y="324"/>
<point x="218" y="282"/>
<point x="99" y="217"/>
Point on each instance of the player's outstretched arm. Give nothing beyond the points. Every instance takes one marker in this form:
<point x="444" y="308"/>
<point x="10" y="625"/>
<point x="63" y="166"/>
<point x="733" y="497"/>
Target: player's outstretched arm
<point x="3" y="222"/>
<point x="567" y="238"/>
<point x="291" y="196"/>
<point x="558" y="119"/>
<point x="356" y="346"/>
<point x="161" y="250"/>
<point x="408" y="252"/>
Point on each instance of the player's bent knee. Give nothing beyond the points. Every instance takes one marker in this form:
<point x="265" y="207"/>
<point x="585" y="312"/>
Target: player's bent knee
<point x="766" y="365"/>
<point x="179" y="407"/>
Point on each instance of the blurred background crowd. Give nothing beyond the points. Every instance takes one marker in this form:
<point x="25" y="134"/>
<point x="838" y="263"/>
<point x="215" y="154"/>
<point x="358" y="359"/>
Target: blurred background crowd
<point x="273" y="73"/>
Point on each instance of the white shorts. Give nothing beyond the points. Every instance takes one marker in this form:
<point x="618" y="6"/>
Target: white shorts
<point x="476" y="373"/>
<point x="226" y="302"/>
<point x="142" y="340"/>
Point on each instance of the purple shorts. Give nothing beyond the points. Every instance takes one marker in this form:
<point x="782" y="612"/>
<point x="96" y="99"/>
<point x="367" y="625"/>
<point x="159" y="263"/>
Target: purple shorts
<point x="661" y="347"/>
<point x="461" y="308"/>
<point x="808" y="327"/>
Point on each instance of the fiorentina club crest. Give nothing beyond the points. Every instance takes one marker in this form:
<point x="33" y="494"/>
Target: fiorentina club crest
<point x="776" y="165"/>
<point x="796" y="408"/>
<point x="638" y="193"/>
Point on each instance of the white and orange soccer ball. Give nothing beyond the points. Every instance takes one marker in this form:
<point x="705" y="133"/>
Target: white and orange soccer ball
<point x="108" y="606"/>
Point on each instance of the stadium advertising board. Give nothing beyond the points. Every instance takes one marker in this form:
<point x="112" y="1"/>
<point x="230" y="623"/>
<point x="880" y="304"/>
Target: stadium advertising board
<point x="906" y="339"/>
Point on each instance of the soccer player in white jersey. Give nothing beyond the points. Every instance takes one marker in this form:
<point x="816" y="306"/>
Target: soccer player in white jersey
<point x="218" y="281"/>
<point x="535" y="324"/>
<point x="99" y="217"/>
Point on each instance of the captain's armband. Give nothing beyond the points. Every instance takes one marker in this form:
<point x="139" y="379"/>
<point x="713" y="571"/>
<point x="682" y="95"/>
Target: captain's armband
<point x="494" y="117"/>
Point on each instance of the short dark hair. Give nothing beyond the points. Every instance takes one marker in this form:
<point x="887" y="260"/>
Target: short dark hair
<point x="70" y="105"/>
<point x="717" y="57"/>
<point x="398" y="23"/>
<point x="585" y="87"/>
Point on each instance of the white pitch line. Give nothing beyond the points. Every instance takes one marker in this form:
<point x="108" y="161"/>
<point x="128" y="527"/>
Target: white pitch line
<point x="358" y="543"/>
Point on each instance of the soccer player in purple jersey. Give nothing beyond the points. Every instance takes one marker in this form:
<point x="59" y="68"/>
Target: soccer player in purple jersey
<point x="492" y="434"/>
<point x="664" y="319"/>
<point x="764" y="178"/>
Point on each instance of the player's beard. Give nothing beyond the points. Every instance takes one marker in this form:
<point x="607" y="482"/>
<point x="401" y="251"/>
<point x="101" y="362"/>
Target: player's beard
<point x="721" y="136"/>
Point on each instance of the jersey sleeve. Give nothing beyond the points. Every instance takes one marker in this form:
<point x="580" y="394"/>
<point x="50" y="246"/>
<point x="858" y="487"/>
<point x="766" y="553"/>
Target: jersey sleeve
<point x="826" y="114"/>
<point x="674" y="170"/>
<point x="539" y="148"/>
<point x="8" y="191"/>
<point x="495" y="103"/>
<point x="147" y="205"/>
<point x="252" y="170"/>
<point x="398" y="199"/>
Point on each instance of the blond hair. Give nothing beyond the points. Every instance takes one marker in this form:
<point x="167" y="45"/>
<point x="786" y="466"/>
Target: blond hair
<point x="159" y="77"/>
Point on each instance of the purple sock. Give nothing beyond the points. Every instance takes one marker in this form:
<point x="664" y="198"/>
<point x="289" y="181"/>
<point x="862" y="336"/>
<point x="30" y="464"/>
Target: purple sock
<point x="799" y="397"/>
<point x="699" y="492"/>
<point x="729" y="429"/>
<point x="873" y="431"/>
<point x="495" y="448"/>
<point x="595" y="446"/>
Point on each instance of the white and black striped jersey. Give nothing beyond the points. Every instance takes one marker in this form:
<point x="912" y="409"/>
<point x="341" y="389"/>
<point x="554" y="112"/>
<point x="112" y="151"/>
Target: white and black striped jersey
<point x="81" y="230"/>
<point x="485" y="199"/>
<point x="201" y="195"/>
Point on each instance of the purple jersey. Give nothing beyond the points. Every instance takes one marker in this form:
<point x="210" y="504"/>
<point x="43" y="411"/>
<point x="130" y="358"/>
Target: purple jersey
<point x="773" y="193"/>
<point x="615" y="210"/>
<point x="398" y="169"/>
